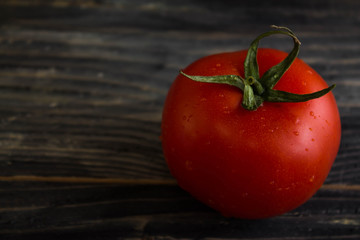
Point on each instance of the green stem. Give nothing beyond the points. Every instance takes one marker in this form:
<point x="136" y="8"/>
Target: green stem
<point x="233" y="80"/>
<point x="281" y="96"/>
<point x="256" y="90"/>
<point x="250" y="100"/>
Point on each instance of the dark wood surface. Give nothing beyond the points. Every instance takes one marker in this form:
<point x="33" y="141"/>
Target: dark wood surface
<point x="82" y="84"/>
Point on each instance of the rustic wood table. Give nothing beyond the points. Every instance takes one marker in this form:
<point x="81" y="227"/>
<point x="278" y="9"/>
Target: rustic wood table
<point x="82" y="85"/>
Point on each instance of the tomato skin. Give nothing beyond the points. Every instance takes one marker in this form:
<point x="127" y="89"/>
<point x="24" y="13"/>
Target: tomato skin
<point x="249" y="164"/>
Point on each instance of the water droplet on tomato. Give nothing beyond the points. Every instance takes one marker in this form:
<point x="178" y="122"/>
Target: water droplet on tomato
<point x="312" y="178"/>
<point x="296" y="133"/>
<point x="310" y="129"/>
<point x="226" y="110"/>
<point x="312" y="113"/>
<point x="313" y="139"/>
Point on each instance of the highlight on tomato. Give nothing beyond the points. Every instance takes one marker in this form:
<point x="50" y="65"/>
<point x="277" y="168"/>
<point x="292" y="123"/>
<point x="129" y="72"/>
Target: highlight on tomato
<point x="252" y="133"/>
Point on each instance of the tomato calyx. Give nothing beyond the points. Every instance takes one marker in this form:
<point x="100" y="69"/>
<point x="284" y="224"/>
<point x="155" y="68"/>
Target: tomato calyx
<point x="258" y="89"/>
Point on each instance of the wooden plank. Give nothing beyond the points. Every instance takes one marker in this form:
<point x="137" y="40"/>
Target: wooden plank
<point x="83" y="53"/>
<point x="138" y="210"/>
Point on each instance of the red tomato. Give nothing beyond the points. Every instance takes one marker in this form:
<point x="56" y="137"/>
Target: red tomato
<point x="249" y="164"/>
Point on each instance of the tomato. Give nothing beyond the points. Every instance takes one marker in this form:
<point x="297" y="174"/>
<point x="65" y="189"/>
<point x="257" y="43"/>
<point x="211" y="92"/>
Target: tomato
<point x="249" y="164"/>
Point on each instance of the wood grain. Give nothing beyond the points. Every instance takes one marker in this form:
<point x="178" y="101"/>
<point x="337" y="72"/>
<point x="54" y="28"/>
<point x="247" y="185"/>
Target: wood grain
<point x="139" y="210"/>
<point x="82" y="85"/>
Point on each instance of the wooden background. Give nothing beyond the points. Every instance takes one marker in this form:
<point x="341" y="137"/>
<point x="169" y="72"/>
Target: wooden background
<point x="82" y="84"/>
